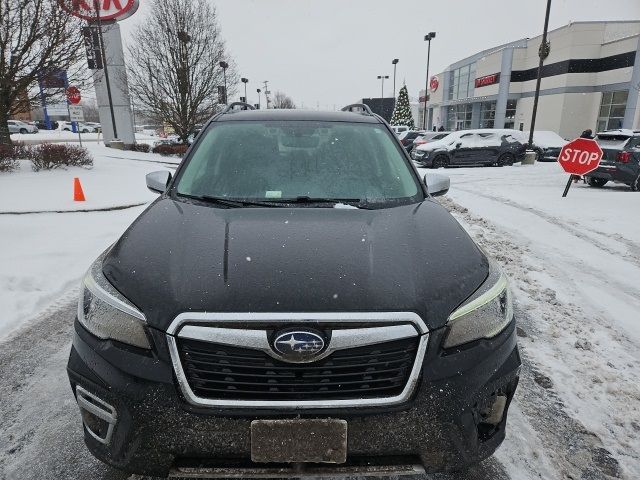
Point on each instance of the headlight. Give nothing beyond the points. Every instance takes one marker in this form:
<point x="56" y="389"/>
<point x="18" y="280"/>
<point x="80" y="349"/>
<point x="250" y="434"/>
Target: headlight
<point x="485" y="314"/>
<point x="106" y="313"/>
<point x="419" y="153"/>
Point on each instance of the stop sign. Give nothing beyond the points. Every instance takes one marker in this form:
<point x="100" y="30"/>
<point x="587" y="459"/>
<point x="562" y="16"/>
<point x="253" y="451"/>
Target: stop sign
<point x="73" y="95"/>
<point x="580" y="156"/>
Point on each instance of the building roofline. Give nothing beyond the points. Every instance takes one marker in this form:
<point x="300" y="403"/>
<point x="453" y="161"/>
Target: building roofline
<point x="523" y="42"/>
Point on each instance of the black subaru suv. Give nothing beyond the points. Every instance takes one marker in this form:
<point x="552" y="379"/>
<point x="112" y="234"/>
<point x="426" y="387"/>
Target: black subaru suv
<point x="621" y="160"/>
<point x="294" y="302"/>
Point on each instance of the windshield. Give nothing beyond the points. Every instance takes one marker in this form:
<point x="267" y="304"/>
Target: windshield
<point x="277" y="161"/>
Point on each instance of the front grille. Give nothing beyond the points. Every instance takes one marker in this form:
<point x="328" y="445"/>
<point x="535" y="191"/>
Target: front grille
<point x="222" y="372"/>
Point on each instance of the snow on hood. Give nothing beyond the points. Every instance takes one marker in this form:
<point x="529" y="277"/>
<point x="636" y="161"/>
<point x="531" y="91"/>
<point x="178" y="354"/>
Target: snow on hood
<point x="548" y="139"/>
<point x="446" y="142"/>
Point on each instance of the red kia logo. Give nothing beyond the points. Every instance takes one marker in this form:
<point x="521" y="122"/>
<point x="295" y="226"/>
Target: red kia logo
<point x="434" y="83"/>
<point x="108" y="9"/>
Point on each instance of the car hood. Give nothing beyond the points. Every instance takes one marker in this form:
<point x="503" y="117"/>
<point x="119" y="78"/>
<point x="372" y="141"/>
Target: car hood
<point x="434" y="145"/>
<point x="178" y="257"/>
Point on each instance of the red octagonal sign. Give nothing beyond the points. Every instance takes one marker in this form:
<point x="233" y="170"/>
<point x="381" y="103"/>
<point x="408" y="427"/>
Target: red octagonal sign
<point x="580" y="156"/>
<point x="73" y="95"/>
<point x="108" y="9"/>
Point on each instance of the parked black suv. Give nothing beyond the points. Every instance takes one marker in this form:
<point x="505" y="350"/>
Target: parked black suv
<point x="483" y="147"/>
<point x="621" y="160"/>
<point x="294" y="303"/>
<point x="407" y="138"/>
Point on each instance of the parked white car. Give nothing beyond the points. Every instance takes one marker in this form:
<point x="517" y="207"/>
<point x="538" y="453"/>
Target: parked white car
<point x="83" y="127"/>
<point x="399" y="129"/>
<point x="17" y="126"/>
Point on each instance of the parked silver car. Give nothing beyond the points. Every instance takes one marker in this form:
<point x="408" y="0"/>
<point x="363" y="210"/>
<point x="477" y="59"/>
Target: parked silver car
<point x="17" y="126"/>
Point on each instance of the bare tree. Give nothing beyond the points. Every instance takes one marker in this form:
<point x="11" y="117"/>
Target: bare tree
<point x="174" y="63"/>
<point x="36" y="37"/>
<point x="282" y="100"/>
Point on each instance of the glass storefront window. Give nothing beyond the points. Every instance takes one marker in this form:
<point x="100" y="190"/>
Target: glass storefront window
<point x="487" y="114"/>
<point x="612" y="109"/>
<point x="462" y="82"/>
<point x="510" y="117"/>
<point x="459" y="117"/>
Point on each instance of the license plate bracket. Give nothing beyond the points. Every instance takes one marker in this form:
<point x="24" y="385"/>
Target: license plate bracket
<point x="299" y="440"/>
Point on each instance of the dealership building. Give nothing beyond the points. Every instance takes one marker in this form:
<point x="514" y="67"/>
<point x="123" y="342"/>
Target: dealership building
<point x="591" y="79"/>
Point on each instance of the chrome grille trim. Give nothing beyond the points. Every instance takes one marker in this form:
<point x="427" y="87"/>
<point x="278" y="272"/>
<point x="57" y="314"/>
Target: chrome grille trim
<point x="207" y="327"/>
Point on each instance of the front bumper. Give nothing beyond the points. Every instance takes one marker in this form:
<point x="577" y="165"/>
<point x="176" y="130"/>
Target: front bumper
<point x="425" y="160"/>
<point x="440" y="428"/>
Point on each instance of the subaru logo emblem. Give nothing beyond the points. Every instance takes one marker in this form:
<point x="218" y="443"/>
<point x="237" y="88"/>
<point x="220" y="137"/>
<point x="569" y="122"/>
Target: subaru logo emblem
<point x="299" y="345"/>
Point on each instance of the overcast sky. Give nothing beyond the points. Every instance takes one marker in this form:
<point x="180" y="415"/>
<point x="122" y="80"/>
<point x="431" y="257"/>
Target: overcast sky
<point x="329" y="52"/>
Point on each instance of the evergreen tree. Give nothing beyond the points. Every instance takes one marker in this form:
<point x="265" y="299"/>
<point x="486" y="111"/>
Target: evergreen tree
<point x="402" y="111"/>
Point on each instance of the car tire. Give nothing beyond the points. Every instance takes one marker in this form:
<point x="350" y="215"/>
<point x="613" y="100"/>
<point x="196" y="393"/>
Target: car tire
<point x="597" y="182"/>
<point x="505" y="159"/>
<point x="23" y="131"/>
<point x="441" y="161"/>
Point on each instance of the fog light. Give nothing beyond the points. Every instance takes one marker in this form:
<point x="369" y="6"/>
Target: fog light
<point x="494" y="413"/>
<point x="98" y="417"/>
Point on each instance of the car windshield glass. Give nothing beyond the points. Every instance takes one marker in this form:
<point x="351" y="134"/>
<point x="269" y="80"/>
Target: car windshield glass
<point x="279" y="160"/>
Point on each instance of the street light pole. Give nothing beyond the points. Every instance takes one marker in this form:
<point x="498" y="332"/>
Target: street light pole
<point x="543" y="53"/>
<point x="224" y="66"/>
<point x="382" y="78"/>
<point x="430" y="36"/>
<point x="245" y="81"/>
<point x="394" y="62"/>
<point x="259" y="103"/>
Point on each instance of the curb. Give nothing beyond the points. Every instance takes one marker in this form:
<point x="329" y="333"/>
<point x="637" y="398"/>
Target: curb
<point x="88" y="210"/>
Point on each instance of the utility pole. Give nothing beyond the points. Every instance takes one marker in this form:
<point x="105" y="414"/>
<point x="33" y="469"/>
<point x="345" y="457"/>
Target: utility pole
<point x="267" y="93"/>
<point x="543" y="53"/>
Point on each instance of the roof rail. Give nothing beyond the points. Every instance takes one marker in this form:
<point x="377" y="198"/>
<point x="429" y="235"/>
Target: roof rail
<point x="230" y="107"/>
<point x="365" y="108"/>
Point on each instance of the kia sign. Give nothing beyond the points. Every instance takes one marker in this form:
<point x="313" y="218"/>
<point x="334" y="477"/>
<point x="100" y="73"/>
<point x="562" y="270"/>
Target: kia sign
<point x="108" y="9"/>
<point x="434" y="83"/>
<point x="579" y="157"/>
<point x="73" y="95"/>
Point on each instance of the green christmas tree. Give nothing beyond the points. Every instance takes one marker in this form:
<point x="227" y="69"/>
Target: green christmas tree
<point x="402" y="112"/>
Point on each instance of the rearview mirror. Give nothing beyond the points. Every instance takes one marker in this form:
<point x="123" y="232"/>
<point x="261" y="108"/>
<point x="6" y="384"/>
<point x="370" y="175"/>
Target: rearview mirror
<point x="437" y="185"/>
<point x="157" y="181"/>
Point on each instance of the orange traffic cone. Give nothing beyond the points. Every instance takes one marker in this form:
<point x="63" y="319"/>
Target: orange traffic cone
<point x="78" y="194"/>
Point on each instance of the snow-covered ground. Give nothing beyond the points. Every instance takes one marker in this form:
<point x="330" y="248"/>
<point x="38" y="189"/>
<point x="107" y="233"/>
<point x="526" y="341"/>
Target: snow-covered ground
<point x="575" y="267"/>
<point x="66" y="136"/>
<point x="43" y="255"/>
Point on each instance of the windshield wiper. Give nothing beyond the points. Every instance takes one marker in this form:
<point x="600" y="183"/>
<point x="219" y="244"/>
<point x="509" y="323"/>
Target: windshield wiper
<point x="228" y="202"/>
<point x="356" y="202"/>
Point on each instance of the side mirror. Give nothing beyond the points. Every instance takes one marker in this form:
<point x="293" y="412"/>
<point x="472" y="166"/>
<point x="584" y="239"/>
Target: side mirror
<point x="458" y="145"/>
<point x="437" y="185"/>
<point x="157" y="181"/>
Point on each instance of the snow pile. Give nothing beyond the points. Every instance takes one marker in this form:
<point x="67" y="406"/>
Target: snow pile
<point x="44" y="255"/>
<point x="575" y="269"/>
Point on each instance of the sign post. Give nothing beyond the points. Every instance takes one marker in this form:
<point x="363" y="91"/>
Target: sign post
<point x="578" y="158"/>
<point x="105" y="57"/>
<point x="76" y="114"/>
<point x="73" y="98"/>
